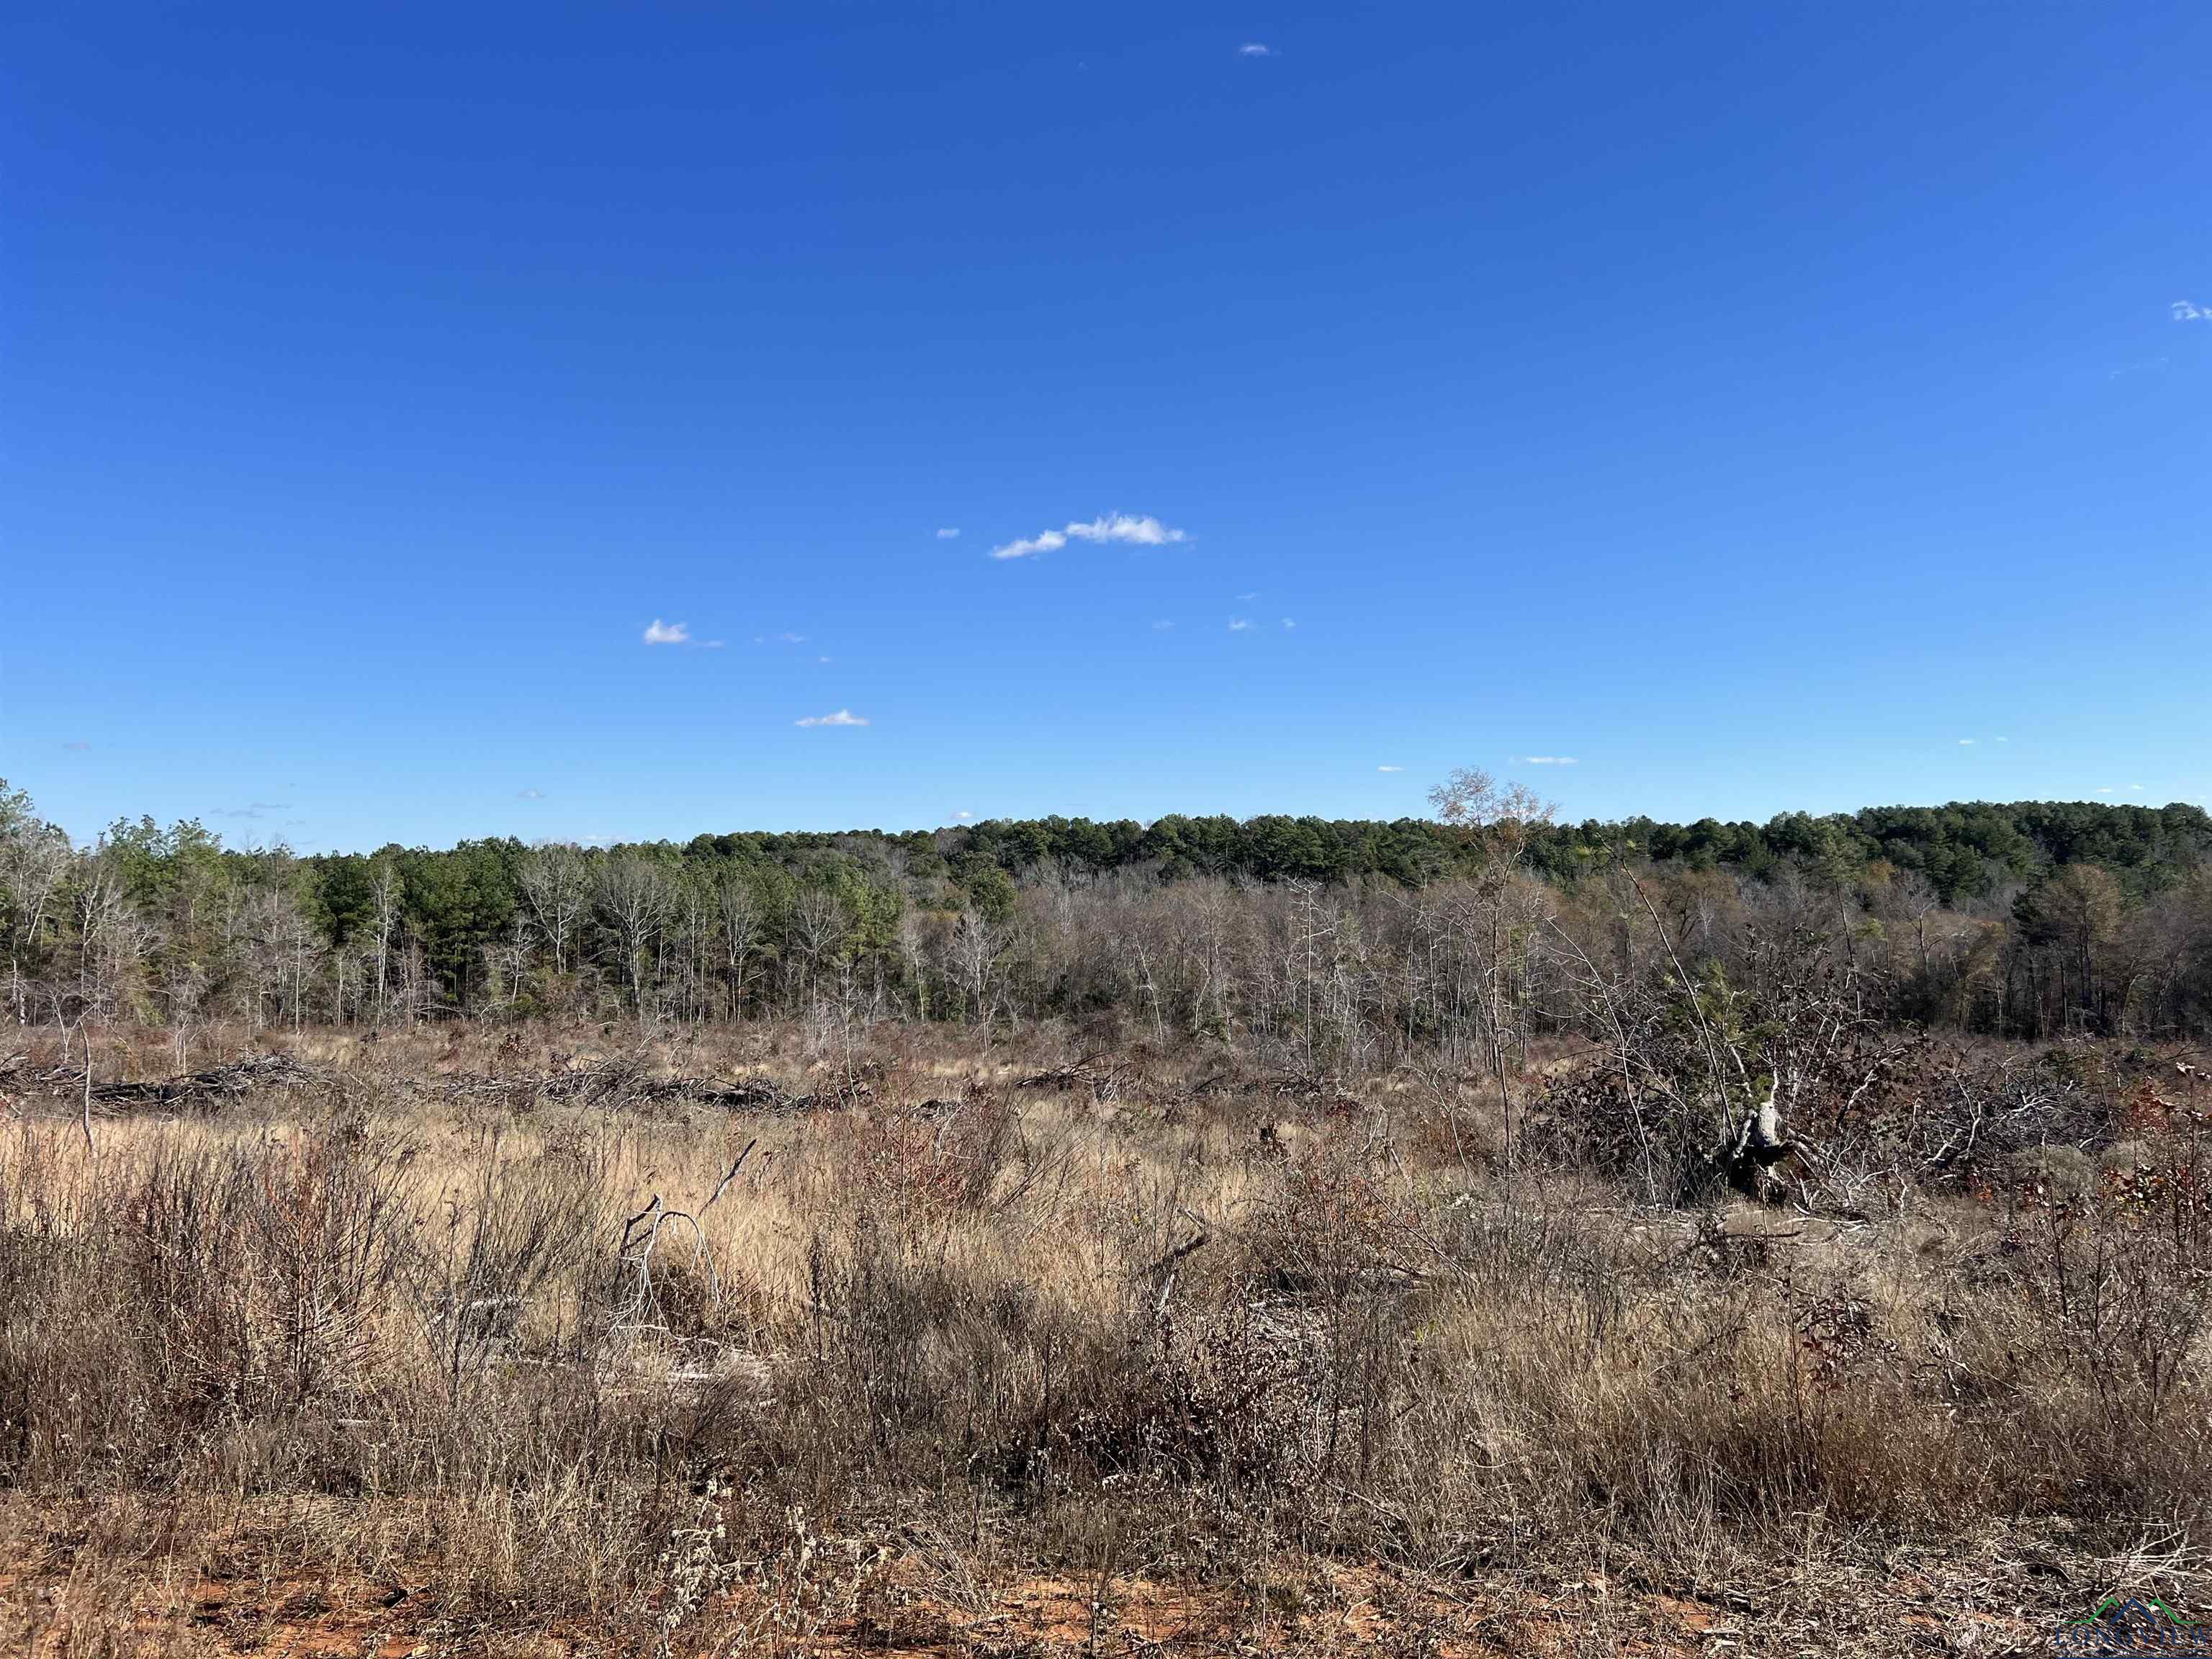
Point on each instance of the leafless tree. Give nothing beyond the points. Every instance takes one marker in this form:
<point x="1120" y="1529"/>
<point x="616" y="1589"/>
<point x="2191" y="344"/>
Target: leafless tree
<point x="35" y="857"/>
<point x="737" y="909"/>
<point x="385" y="896"/>
<point x="976" y="947"/>
<point x="817" y="932"/>
<point x="1496" y="917"/>
<point x="631" y="898"/>
<point x="114" y="936"/>
<point x="556" y="881"/>
<point x="506" y="962"/>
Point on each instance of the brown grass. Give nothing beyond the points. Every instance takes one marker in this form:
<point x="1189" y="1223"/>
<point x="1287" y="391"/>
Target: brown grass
<point x="916" y="1370"/>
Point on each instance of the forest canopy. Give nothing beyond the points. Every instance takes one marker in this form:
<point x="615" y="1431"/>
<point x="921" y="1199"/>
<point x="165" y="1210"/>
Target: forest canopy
<point x="2046" y="912"/>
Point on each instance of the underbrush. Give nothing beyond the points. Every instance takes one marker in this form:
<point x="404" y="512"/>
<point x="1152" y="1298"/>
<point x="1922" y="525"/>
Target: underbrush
<point x="660" y="1367"/>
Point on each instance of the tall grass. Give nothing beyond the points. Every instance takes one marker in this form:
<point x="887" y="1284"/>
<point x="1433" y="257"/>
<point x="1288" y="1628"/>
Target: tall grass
<point x="1040" y="1333"/>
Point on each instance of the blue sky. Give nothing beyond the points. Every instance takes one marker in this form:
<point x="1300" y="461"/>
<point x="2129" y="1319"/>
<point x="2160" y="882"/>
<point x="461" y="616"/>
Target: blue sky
<point x="1760" y="408"/>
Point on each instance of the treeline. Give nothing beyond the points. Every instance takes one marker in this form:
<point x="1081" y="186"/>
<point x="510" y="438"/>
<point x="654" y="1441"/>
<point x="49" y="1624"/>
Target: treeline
<point x="1330" y="938"/>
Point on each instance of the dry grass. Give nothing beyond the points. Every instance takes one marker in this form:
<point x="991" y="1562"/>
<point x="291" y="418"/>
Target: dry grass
<point x="1295" y="1366"/>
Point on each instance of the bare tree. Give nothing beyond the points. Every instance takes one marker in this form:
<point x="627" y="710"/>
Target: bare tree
<point x="303" y="944"/>
<point x="631" y="897"/>
<point x="1496" y="917"/>
<point x="817" y="932"/>
<point x="556" y="881"/>
<point x="506" y="962"/>
<point x="976" y="949"/>
<point x="384" y="895"/>
<point x="34" y="856"/>
<point x="737" y="909"/>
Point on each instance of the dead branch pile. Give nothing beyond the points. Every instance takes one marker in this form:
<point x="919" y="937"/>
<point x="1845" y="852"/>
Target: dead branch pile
<point x="627" y="1080"/>
<point x="1103" y="1080"/>
<point x="613" y="1085"/>
<point x="208" y="1088"/>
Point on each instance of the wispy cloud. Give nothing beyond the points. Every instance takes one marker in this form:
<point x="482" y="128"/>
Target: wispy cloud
<point x="2184" y="312"/>
<point x="1965" y="742"/>
<point x="1547" y="760"/>
<point x="1163" y="626"/>
<point x="660" y="633"/>
<point x="1045" y="541"/>
<point x="964" y="818"/>
<point x="843" y="717"/>
<point x="950" y="532"/>
<point x="77" y="745"/>
<point x="1239" y="624"/>
<point x="2002" y="740"/>
<point x="791" y="639"/>
<point x="530" y="794"/>
<point x="2146" y="366"/>
<point x="1129" y="527"/>
<point x="1389" y="769"/>
<point x="1287" y="623"/>
<point x="1254" y="49"/>
<point x="1246" y="599"/>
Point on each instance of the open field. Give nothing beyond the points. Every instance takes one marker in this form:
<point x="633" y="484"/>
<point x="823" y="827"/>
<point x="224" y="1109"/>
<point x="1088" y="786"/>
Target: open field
<point x="1032" y="832"/>
<point x="551" y="1340"/>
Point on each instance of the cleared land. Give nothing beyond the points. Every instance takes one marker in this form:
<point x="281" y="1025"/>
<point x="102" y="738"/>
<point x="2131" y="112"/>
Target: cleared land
<point x="758" y="1339"/>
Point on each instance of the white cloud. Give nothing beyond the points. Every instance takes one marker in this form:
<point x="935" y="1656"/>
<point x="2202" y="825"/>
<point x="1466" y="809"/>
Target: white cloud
<point x="1287" y="623"/>
<point x="1965" y="742"/>
<point x="530" y="794"/>
<point x="1049" y="541"/>
<point x="1163" y="626"/>
<point x="2185" y="312"/>
<point x="1238" y="625"/>
<point x="1144" y="532"/>
<point x="661" y="633"/>
<point x="2003" y="740"/>
<point x="1547" y="760"/>
<point x="964" y="818"/>
<point x="76" y="746"/>
<point x="843" y="717"/>
<point x="822" y="659"/>
<point x="949" y="534"/>
<point x="1247" y="598"/>
<point x="1254" y="49"/>
<point x="1140" y="532"/>
<point x="791" y="639"/>
<point x="1389" y="769"/>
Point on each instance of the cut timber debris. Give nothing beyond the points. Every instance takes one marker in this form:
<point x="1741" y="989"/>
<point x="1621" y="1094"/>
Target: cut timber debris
<point x="1104" y="1082"/>
<point x="217" y="1084"/>
<point x="625" y="1081"/>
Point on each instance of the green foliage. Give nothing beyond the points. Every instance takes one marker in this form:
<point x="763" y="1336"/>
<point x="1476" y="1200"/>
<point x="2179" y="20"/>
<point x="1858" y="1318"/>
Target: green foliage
<point x="2072" y="872"/>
